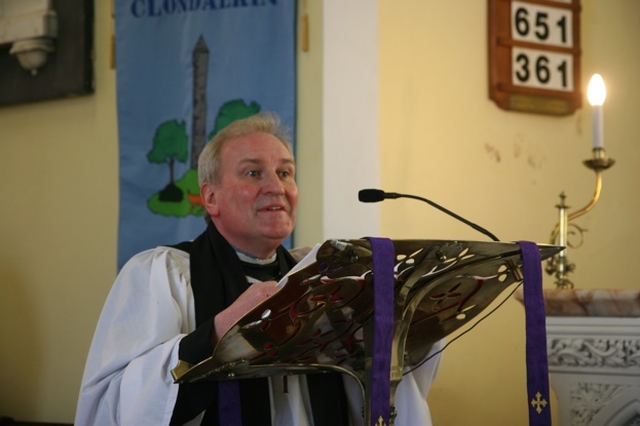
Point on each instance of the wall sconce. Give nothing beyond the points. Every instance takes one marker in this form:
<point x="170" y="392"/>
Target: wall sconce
<point x="29" y="26"/>
<point x="559" y="265"/>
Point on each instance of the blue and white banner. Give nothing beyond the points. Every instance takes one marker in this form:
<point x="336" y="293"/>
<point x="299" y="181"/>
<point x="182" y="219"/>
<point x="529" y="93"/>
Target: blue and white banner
<point x="185" y="69"/>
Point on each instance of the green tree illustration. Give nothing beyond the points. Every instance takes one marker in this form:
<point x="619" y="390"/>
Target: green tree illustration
<point x="181" y="197"/>
<point x="170" y="143"/>
<point x="231" y="111"/>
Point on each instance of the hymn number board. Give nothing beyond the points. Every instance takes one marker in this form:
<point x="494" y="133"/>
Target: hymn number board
<point x="534" y="55"/>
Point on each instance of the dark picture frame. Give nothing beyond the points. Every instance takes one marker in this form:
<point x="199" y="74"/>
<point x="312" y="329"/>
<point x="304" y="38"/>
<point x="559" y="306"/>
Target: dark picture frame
<point x="69" y="69"/>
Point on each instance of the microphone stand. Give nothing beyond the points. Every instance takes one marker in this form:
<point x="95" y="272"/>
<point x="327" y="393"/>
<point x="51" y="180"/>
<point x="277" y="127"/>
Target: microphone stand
<point x="375" y="195"/>
<point x="450" y="213"/>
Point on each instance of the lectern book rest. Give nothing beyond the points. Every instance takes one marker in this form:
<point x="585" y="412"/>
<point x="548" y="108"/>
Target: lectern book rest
<point x="322" y="318"/>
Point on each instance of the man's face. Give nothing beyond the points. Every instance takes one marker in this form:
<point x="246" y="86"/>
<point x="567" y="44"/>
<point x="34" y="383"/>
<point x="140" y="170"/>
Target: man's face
<point x="255" y="202"/>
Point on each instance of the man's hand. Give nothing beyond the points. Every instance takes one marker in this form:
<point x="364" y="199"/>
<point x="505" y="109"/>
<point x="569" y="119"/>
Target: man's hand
<point x="254" y="295"/>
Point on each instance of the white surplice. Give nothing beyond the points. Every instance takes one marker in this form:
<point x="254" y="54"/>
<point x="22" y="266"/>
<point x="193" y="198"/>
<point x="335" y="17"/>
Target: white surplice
<point x="127" y="378"/>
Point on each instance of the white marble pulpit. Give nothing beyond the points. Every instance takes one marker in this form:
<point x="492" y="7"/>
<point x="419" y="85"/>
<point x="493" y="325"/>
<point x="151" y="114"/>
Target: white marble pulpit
<point x="593" y="348"/>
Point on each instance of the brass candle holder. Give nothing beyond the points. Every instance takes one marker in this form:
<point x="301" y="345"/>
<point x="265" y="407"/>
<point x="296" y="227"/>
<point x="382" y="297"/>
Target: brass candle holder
<point x="559" y="265"/>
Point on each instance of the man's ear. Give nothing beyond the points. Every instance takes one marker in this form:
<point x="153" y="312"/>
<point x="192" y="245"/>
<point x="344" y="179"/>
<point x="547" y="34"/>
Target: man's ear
<point x="208" y="196"/>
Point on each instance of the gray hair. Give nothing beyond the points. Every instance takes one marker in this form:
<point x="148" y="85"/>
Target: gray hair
<point x="263" y="122"/>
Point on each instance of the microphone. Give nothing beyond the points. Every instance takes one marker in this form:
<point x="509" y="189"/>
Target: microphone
<point x="376" y="195"/>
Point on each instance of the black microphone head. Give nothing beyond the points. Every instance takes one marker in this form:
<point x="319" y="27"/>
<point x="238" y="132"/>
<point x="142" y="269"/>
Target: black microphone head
<point x="371" y="195"/>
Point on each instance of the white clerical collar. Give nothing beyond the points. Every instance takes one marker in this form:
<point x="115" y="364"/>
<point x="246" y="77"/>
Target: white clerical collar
<point x="246" y="257"/>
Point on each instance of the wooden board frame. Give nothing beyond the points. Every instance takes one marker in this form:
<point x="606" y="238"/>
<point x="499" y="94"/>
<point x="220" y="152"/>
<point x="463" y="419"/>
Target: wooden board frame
<point x="501" y="44"/>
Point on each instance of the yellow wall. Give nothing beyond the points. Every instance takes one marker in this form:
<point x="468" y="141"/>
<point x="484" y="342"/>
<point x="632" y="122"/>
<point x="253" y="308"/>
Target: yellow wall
<point x="59" y="207"/>
<point x="440" y="138"/>
<point x="444" y="139"/>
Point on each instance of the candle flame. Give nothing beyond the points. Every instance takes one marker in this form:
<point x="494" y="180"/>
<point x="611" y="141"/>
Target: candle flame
<point x="596" y="92"/>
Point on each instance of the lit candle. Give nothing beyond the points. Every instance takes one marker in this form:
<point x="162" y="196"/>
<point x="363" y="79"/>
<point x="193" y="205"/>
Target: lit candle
<point x="597" y="93"/>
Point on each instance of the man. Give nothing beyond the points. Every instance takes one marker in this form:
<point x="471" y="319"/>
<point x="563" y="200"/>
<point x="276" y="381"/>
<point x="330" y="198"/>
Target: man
<point x="172" y="304"/>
